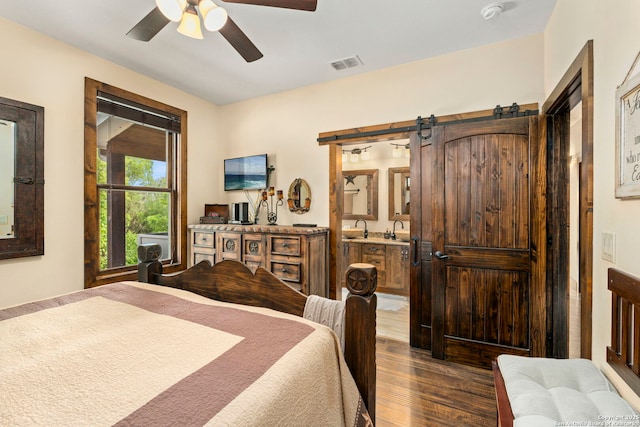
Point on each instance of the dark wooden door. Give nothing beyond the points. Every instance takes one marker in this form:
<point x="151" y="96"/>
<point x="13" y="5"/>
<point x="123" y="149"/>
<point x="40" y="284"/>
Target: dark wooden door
<point x="471" y="277"/>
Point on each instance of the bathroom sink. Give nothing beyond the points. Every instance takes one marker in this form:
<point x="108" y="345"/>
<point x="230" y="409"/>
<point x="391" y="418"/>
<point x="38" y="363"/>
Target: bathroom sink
<point x="352" y="233"/>
<point x="402" y="235"/>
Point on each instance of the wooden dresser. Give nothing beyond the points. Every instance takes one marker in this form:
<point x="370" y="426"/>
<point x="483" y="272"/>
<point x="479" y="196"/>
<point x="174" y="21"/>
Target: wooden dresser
<point x="297" y="255"/>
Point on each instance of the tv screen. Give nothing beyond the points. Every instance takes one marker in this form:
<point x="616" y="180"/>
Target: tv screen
<point x="246" y="173"/>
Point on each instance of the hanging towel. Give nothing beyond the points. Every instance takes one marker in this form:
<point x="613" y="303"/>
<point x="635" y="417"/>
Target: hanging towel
<point x="327" y="312"/>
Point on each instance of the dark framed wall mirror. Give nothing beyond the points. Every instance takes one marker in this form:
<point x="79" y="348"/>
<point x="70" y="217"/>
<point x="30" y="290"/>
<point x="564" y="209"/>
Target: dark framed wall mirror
<point x="21" y="179"/>
<point x="360" y="189"/>
<point x="399" y="187"/>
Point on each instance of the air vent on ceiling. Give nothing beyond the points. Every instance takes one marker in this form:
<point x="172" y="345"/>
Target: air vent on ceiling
<point x="352" y="61"/>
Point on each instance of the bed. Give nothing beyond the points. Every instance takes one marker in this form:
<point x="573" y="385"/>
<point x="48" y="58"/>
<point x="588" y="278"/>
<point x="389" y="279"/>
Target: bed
<point x="180" y="350"/>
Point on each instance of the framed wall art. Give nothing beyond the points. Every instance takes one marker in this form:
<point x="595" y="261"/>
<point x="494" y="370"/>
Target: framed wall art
<point x="628" y="139"/>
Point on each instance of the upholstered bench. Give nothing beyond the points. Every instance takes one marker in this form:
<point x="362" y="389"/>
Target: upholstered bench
<point x="557" y="392"/>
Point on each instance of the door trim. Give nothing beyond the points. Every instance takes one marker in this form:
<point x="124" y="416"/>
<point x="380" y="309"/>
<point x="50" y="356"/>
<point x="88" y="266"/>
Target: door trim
<point x="576" y="85"/>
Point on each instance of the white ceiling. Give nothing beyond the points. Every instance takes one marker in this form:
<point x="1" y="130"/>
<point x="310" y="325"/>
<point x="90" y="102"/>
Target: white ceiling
<point x="298" y="46"/>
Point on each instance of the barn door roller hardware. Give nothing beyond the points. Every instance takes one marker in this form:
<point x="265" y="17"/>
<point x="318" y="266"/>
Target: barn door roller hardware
<point x="498" y="113"/>
<point x="420" y="125"/>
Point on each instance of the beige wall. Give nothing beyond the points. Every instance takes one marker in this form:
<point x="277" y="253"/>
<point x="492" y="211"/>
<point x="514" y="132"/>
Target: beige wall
<point x="39" y="70"/>
<point x="613" y="27"/>
<point x="286" y="125"/>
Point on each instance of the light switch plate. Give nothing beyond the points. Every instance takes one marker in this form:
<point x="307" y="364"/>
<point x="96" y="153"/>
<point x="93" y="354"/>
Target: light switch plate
<point x="609" y="246"/>
<point x="4" y="219"/>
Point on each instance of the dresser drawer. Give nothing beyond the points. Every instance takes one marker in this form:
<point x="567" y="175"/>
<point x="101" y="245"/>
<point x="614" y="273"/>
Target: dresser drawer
<point x="286" y="271"/>
<point x="253" y="250"/>
<point x="229" y="246"/>
<point x="379" y="261"/>
<point x="285" y="245"/>
<point x="197" y="257"/>
<point x="201" y="238"/>
<point x="373" y="249"/>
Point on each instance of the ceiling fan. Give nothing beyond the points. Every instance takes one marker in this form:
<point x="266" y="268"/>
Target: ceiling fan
<point x="188" y="13"/>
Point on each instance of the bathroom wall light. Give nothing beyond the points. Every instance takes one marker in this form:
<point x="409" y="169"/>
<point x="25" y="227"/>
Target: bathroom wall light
<point x="355" y="154"/>
<point x="398" y="150"/>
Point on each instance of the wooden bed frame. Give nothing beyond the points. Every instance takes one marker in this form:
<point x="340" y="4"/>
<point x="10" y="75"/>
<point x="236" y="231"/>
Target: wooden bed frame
<point x="624" y="353"/>
<point x="232" y="281"/>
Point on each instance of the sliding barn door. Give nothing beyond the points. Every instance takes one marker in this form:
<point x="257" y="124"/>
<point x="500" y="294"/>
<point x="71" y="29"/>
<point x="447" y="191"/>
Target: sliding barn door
<point x="476" y="295"/>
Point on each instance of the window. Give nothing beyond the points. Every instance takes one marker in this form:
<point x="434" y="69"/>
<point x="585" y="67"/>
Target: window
<point x="135" y="182"/>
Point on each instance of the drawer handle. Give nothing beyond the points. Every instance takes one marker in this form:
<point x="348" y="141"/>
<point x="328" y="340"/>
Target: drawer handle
<point x="285" y="245"/>
<point x="284" y="270"/>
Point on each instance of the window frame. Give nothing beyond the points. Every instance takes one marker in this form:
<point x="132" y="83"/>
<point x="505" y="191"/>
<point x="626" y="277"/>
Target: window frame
<point x="92" y="273"/>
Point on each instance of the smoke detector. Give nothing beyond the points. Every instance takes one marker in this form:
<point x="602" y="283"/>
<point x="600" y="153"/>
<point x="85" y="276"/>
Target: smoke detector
<point x="492" y="10"/>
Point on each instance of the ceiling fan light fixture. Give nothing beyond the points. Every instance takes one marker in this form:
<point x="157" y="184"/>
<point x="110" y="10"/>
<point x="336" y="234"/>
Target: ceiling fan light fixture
<point x="213" y="16"/>
<point x="190" y="24"/>
<point x="172" y="9"/>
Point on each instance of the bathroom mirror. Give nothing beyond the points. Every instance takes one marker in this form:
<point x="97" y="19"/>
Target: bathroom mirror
<point x="299" y="198"/>
<point x="21" y="179"/>
<point x="399" y="186"/>
<point x="360" y="194"/>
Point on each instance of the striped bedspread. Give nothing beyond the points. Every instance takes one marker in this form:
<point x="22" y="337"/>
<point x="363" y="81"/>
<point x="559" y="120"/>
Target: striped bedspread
<point x="137" y="354"/>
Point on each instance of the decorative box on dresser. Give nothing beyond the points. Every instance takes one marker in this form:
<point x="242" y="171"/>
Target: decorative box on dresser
<point x="297" y="255"/>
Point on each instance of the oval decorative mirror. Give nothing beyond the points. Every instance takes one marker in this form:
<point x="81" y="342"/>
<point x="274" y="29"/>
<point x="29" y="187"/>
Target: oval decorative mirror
<point x="299" y="200"/>
<point x="399" y="193"/>
<point x="360" y="192"/>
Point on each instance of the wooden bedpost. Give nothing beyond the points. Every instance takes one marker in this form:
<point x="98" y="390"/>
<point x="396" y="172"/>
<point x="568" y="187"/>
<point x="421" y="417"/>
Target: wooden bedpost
<point x="360" y="330"/>
<point x="149" y="265"/>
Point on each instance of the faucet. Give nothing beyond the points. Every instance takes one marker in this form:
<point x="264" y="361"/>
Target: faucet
<point x="366" y="231"/>
<point x="393" y="233"/>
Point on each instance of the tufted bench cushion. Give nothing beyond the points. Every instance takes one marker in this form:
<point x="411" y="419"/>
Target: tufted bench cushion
<point x="555" y="392"/>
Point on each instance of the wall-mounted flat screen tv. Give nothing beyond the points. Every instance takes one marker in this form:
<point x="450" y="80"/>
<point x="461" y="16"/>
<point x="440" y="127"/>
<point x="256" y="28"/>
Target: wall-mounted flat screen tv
<point x="245" y="173"/>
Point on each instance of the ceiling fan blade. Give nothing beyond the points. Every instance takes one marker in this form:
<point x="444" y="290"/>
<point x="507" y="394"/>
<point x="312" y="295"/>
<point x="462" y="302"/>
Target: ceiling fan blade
<point x="308" y="5"/>
<point x="240" y="42"/>
<point x="149" y="26"/>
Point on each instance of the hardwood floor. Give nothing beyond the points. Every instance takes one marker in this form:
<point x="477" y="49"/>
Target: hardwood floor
<point x="412" y="389"/>
<point x="415" y="390"/>
<point x="394" y="322"/>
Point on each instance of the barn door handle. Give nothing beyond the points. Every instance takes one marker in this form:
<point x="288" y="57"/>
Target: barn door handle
<point x="415" y="261"/>
<point x="440" y="255"/>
